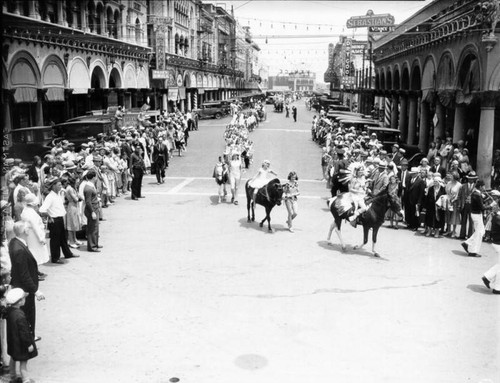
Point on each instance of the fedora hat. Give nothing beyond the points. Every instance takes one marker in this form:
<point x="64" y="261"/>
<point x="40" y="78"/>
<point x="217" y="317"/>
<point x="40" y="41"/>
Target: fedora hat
<point x="472" y="176"/>
<point x="69" y="165"/>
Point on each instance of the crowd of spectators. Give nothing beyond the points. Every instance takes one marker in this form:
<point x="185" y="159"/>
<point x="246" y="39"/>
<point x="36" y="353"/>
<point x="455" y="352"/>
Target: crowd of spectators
<point x="435" y="193"/>
<point x="53" y="200"/>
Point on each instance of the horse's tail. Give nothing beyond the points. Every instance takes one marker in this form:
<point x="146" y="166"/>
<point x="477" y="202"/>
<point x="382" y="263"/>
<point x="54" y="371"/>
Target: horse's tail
<point x="330" y="201"/>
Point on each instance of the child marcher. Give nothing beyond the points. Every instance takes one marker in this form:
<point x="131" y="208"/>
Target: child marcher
<point x="221" y="176"/>
<point x="20" y="341"/>
<point x="392" y="190"/>
<point x="290" y="193"/>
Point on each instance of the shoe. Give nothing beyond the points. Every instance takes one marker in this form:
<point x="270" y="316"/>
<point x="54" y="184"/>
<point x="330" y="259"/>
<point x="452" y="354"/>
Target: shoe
<point x="236" y="202"/>
<point x="495" y="291"/>
<point x="40" y="274"/>
<point x="474" y="255"/>
<point x="465" y="246"/>
<point x="427" y="233"/>
<point x="102" y="219"/>
<point x="486" y="282"/>
<point x="40" y="279"/>
<point x="134" y="199"/>
<point x="38" y="338"/>
<point x="142" y="196"/>
<point x="396" y="228"/>
<point x="73" y="245"/>
<point x="72" y="256"/>
<point x="59" y="262"/>
<point x="291" y="230"/>
<point x="79" y="243"/>
<point x="436" y="234"/>
<point x="94" y="250"/>
<point x="98" y="247"/>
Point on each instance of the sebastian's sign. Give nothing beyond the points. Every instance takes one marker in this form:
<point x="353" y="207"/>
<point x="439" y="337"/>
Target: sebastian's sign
<point x="382" y="20"/>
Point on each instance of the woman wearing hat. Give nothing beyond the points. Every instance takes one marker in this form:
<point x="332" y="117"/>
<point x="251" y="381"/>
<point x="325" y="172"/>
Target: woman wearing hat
<point x="434" y="216"/>
<point x="36" y="238"/>
<point x="73" y="219"/>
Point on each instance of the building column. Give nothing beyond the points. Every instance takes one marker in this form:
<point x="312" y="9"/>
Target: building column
<point x="412" y="121"/>
<point x="164" y="101"/>
<point x="32" y="10"/>
<point x="440" y="127"/>
<point x="459" y="126"/>
<point x="403" y="118"/>
<point x="60" y="13"/>
<point x="188" y="99"/>
<point x="423" y="137"/>
<point x="485" y="144"/>
<point x="394" y="112"/>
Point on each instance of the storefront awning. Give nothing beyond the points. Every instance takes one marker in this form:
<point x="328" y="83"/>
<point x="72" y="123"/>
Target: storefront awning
<point x="54" y="94"/>
<point x="25" y="94"/>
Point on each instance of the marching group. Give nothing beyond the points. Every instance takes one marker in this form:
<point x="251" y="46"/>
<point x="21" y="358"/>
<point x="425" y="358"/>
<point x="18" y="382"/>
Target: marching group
<point x="63" y="194"/>
<point x="441" y="195"/>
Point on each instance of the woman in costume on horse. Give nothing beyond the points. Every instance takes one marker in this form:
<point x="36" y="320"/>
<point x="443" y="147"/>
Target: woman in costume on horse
<point x="357" y="189"/>
<point x="261" y="178"/>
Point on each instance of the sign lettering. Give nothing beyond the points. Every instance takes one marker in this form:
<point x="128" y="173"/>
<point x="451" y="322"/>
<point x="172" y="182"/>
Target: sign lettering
<point x="382" y="20"/>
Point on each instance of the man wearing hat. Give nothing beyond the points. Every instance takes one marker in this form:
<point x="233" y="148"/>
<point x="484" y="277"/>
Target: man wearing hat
<point x="416" y="193"/>
<point x="160" y="159"/>
<point x="24" y="271"/>
<point x="404" y="183"/>
<point x="380" y="178"/>
<point x="397" y="156"/>
<point x="464" y="205"/>
<point x="337" y="171"/>
<point x="437" y="168"/>
<point x="53" y="207"/>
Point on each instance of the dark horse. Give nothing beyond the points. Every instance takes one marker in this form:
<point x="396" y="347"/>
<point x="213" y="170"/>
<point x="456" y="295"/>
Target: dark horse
<point x="267" y="196"/>
<point x="341" y="208"/>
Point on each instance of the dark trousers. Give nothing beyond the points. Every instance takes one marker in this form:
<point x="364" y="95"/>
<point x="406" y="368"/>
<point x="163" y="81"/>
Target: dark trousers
<point x="466" y="218"/>
<point x="160" y="168"/>
<point x="137" y="182"/>
<point x="30" y="311"/>
<point x="411" y="218"/>
<point x="92" y="230"/>
<point x="58" y="239"/>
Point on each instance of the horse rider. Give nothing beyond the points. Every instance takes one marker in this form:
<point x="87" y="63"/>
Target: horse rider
<point x="357" y="189"/>
<point x="261" y="178"/>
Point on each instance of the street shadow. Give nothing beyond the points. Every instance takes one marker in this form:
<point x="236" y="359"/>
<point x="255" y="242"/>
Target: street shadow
<point x="461" y="253"/>
<point x="256" y="225"/>
<point x="349" y="250"/>
<point x="479" y="289"/>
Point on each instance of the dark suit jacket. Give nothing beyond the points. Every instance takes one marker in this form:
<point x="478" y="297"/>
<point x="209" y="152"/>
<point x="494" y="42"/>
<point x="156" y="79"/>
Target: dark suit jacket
<point x="91" y="200"/>
<point x="24" y="272"/>
<point x="440" y="170"/>
<point x="404" y="185"/>
<point x="416" y="192"/>
<point x="162" y="151"/>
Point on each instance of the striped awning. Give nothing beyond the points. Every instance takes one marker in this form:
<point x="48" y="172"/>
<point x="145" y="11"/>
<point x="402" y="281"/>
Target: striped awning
<point x="25" y="94"/>
<point x="54" y="94"/>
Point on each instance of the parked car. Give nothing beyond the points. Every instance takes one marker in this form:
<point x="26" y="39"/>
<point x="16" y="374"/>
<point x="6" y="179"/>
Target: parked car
<point x="80" y="129"/>
<point x="30" y="142"/>
<point x="213" y="109"/>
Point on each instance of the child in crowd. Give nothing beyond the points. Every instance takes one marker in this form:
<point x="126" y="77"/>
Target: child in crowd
<point x="290" y="193"/>
<point x="20" y="342"/>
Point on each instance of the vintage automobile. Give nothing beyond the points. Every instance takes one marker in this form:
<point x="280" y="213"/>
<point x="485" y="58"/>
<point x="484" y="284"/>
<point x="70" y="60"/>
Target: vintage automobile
<point x="29" y="142"/>
<point x="213" y="109"/>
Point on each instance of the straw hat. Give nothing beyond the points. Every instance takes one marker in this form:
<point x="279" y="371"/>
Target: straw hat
<point x="15" y="295"/>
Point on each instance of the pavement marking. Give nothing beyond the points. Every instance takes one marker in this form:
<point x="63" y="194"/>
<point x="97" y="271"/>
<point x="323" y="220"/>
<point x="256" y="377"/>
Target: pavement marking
<point x="175" y="189"/>
<point x="211" y="178"/>
<point x="171" y="192"/>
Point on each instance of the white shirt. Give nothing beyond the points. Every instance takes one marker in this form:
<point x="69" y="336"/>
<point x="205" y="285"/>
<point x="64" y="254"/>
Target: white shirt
<point x="53" y="205"/>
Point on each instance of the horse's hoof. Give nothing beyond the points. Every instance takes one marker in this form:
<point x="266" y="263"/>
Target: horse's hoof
<point x="344" y="249"/>
<point x="249" y="220"/>
<point x="260" y="225"/>
<point x="376" y="255"/>
<point x="271" y="230"/>
<point x="355" y="247"/>
<point x="329" y="243"/>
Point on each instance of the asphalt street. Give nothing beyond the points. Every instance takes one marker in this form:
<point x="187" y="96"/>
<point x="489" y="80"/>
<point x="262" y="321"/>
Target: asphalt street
<point x="184" y="287"/>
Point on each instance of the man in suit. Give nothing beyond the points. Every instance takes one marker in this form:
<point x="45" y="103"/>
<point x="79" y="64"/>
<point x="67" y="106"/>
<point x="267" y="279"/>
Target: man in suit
<point x="380" y="179"/>
<point x="24" y="272"/>
<point x="416" y="192"/>
<point x="160" y="158"/>
<point x="437" y="168"/>
<point x="137" y="168"/>
<point x="464" y="205"/>
<point x="91" y="212"/>
<point x="404" y="178"/>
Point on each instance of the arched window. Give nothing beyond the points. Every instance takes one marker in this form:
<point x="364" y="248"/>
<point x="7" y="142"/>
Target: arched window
<point x="98" y="19"/>
<point x="90" y="16"/>
<point x="117" y="25"/>
<point x="176" y="44"/>
<point x="137" y="31"/>
<point x="186" y="46"/>
<point x="110" y="21"/>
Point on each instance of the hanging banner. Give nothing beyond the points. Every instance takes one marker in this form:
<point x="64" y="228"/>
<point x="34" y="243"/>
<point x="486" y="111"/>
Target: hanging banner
<point x="173" y="94"/>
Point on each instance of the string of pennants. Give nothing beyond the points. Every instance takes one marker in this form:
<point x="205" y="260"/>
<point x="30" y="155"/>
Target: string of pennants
<point x="283" y="25"/>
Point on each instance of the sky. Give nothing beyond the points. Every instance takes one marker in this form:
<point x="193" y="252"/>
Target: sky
<point x="298" y="32"/>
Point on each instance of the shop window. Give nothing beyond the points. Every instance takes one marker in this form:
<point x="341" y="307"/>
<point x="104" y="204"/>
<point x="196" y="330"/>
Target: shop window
<point x="23" y="115"/>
